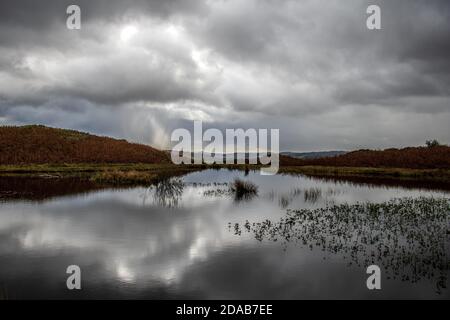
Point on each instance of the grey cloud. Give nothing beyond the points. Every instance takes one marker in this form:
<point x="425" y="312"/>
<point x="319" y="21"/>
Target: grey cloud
<point x="329" y="43"/>
<point x="41" y="14"/>
<point x="295" y="65"/>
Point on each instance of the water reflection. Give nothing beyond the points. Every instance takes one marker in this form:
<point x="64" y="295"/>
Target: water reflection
<point x="166" y="193"/>
<point x="238" y="190"/>
<point x="172" y="241"/>
<point x="386" y="182"/>
<point x="408" y="237"/>
<point x="38" y="189"/>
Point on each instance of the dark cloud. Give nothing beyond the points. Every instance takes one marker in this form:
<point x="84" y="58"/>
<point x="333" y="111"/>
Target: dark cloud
<point x="29" y="13"/>
<point x="309" y="67"/>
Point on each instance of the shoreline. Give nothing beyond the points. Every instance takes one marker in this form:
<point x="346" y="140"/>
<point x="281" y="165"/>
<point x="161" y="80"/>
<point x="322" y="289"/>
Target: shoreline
<point x="431" y="175"/>
<point x="20" y="182"/>
<point x="137" y="171"/>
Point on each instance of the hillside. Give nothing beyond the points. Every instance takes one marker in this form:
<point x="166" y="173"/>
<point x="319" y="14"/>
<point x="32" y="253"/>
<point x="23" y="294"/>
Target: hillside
<point x="436" y="157"/>
<point x="39" y="144"/>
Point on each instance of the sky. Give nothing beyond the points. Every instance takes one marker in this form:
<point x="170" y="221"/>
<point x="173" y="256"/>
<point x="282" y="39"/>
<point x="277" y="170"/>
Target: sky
<point x="140" y="69"/>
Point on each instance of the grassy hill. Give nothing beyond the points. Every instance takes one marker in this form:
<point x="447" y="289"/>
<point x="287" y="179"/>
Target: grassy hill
<point x="39" y="144"/>
<point x="435" y="157"/>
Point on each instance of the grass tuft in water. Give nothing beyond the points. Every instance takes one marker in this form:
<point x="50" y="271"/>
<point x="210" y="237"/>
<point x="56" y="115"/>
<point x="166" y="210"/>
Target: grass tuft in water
<point x="243" y="189"/>
<point x="407" y="237"/>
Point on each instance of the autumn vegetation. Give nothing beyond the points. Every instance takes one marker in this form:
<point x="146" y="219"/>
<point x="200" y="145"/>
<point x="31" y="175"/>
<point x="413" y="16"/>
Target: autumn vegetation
<point x="434" y="156"/>
<point x="55" y="153"/>
<point x="40" y="145"/>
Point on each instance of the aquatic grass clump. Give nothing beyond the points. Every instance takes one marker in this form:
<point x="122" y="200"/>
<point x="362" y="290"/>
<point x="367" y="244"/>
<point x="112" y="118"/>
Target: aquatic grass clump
<point x="312" y="195"/>
<point x="168" y="192"/>
<point x="239" y="189"/>
<point x="407" y="237"/>
<point x="218" y="192"/>
<point x="243" y="189"/>
<point x="285" y="199"/>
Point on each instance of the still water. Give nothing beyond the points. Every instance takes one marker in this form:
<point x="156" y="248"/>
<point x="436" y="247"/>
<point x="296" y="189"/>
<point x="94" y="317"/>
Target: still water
<point x="178" y="240"/>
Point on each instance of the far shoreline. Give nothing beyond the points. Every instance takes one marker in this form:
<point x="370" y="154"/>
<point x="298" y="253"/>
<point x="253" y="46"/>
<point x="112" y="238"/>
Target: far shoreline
<point x="141" y="173"/>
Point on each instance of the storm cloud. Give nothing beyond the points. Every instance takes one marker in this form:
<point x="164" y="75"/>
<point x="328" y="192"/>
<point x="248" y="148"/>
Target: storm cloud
<point x="139" y="69"/>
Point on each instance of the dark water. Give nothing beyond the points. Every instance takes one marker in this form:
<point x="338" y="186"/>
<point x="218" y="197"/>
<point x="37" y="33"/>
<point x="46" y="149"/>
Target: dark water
<point x="178" y="240"/>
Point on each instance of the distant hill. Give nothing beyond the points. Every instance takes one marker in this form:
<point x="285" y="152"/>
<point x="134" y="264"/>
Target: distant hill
<point x="436" y="157"/>
<point x="313" y="155"/>
<point x="37" y="144"/>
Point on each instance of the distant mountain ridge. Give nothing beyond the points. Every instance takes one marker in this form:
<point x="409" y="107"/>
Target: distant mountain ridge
<point x="36" y="144"/>
<point x="313" y="155"/>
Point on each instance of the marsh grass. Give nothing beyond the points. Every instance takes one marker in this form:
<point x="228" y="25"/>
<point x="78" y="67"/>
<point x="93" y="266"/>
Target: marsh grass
<point x="407" y="237"/>
<point x="442" y="175"/>
<point x="89" y="170"/>
<point x="312" y="195"/>
<point x="218" y="192"/>
<point x="243" y="190"/>
<point x="117" y="177"/>
<point x="168" y="192"/>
